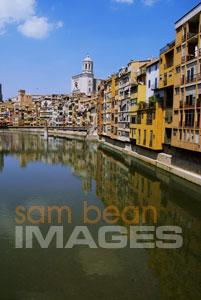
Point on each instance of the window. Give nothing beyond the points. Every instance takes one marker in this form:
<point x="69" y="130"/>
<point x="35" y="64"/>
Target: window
<point x="139" y="133"/>
<point x="184" y="135"/>
<point x="178" y="69"/>
<point x="145" y="137"/>
<point x="161" y="61"/>
<point x="192" y="136"/>
<point x="178" y="49"/>
<point x="170" y="74"/>
<point x="176" y="112"/>
<point x="149" y="84"/>
<point x="151" y="138"/>
<point x="156" y="67"/>
<point x="160" y="77"/>
<point x="197" y="137"/>
<point x="177" y="90"/>
<point x="188" y="135"/>
<point x="189" y="118"/>
<point x="180" y="134"/>
<point x="156" y="83"/>
<point x="175" y="132"/>
<point x="133" y="120"/>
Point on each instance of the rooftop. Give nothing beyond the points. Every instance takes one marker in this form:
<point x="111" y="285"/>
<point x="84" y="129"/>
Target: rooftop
<point x="194" y="11"/>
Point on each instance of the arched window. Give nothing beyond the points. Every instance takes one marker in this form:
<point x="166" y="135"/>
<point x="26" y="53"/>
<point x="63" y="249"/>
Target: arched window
<point x="86" y="66"/>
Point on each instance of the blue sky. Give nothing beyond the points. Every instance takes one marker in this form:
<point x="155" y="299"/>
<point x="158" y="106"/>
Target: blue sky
<point x="44" y="41"/>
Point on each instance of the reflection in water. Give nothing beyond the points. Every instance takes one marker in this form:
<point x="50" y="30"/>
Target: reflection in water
<point x="102" y="178"/>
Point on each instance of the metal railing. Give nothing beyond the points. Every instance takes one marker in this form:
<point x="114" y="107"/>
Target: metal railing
<point x="190" y="56"/>
<point x="191" y="78"/>
<point x="191" y="34"/>
<point x="189" y="123"/>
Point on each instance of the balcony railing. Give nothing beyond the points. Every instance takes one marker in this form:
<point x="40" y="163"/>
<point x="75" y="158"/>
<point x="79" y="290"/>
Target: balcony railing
<point x="189" y="124"/>
<point x="189" y="103"/>
<point x="190" y="57"/>
<point x="191" y="34"/>
<point x="191" y="78"/>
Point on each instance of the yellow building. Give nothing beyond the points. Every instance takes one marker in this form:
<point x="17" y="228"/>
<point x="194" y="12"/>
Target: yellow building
<point x="138" y="95"/>
<point x="150" y="126"/>
<point x="166" y="84"/>
<point x="187" y="96"/>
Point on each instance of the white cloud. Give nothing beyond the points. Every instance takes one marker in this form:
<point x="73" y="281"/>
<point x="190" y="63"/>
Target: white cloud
<point x="124" y="1"/>
<point x="59" y="24"/>
<point x="149" y="2"/>
<point x="37" y="28"/>
<point x="14" y="11"/>
<point x="23" y="13"/>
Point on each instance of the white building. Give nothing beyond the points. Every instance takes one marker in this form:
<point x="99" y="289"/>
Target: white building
<point x="85" y="83"/>
<point x="153" y="80"/>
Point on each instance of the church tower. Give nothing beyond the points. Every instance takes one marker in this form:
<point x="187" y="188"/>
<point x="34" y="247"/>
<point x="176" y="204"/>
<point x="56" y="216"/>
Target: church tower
<point x="87" y="65"/>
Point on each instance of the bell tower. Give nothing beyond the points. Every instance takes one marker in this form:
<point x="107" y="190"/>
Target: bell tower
<point x="87" y="65"/>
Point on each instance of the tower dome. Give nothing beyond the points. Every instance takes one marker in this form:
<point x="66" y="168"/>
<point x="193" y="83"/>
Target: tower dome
<point x="87" y="65"/>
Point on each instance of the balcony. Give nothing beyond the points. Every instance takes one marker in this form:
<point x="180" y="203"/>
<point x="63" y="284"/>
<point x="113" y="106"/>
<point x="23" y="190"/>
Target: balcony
<point x="190" y="57"/>
<point x="188" y="104"/>
<point x="168" y="65"/>
<point x="188" y="124"/>
<point x="183" y="59"/>
<point x="149" y="121"/>
<point x="183" y="38"/>
<point x="191" y="34"/>
<point x="191" y="78"/>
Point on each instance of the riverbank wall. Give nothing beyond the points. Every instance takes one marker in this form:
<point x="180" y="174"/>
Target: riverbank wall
<point x="170" y="161"/>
